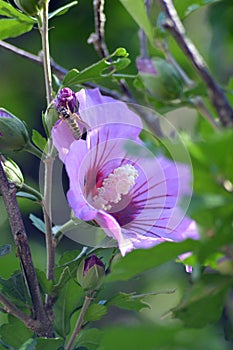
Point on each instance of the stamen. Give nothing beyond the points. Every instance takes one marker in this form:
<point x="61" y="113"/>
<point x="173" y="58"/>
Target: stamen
<point x="114" y="186"/>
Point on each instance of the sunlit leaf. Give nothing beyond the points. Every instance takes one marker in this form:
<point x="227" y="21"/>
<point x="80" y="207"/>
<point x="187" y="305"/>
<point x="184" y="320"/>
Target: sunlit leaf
<point x="39" y="140"/>
<point x="137" y="11"/>
<point x="105" y="67"/>
<point x="11" y="28"/>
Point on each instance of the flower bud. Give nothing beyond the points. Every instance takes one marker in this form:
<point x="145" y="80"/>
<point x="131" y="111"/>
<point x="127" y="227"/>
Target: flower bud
<point x="13" y="172"/>
<point x="90" y="273"/>
<point x="50" y="117"/>
<point x="66" y="98"/>
<point x="13" y="132"/>
<point x="160" y="78"/>
<point x="30" y="7"/>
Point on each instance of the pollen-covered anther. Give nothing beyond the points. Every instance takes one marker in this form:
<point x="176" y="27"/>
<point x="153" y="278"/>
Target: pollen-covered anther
<point x="114" y="186"/>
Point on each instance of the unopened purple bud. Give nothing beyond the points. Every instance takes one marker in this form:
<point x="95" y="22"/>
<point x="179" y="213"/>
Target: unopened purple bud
<point x="160" y="78"/>
<point x="146" y="65"/>
<point x="90" y="273"/>
<point x="66" y="98"/>
<point x="91" y="261"/>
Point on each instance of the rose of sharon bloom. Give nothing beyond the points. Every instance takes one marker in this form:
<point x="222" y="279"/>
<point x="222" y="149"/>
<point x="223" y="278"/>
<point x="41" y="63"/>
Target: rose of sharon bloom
<point x="116" y="182"/>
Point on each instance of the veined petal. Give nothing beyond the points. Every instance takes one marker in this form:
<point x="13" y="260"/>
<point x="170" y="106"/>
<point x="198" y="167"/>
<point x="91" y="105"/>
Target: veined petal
<point x="113" y="229"/>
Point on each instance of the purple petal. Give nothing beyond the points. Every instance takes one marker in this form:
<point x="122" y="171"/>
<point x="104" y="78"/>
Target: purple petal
<point x="97" y="110"/>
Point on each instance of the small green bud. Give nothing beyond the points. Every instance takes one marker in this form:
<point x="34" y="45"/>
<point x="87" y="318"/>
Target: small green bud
<point x="160" y="78"/>
<point x="13" y="132"/>
<point x="90" y="273"/>
<point x="13" y="172"/>
<point x="50" y="117"/>
<point x="30" y="7"/>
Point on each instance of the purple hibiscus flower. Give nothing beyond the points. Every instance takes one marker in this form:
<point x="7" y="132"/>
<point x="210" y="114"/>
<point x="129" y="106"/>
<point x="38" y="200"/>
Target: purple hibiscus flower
<point x="116" y="182"/>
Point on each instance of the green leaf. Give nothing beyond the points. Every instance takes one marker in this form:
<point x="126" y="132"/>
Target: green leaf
<point x="51" y="344"/>
<point x="129" y="301"/>
<point x="5" y="249"/>
<point x="160" y="337"/>
<point x="89" y="338"/>
<point x="66" y="269"/>
<point x="15" y="333"/>
<point x="9" y="11"/>
<point x="45" y="284"/>
<point x="11" y="28"/>
<point x="105" y="67"/>
<point x="69" y="300"/>
<point x="39" y="140"/>
<point x="95" y="312"/>
<point x="64" y="277"/>
<point x="14" y="289"/>
<point x="141" y="260"/>
<point x="137" y="11"/>
<point x="204" y="302"/>
<point x="61" y="10"/>
<point x="30" y="344"/>
<point x="38" y="223"/>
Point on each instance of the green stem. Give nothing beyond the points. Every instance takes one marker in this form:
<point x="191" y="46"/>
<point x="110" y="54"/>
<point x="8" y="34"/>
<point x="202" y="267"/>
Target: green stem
<point x="32" y="191"/>
<point x="44" y="29"/>
<point x="30" y="148"/>
<point x="47" y="210"/>
<point x="48" y="161"/>
<point x="79" y="322"/>
<point x="64" y="228"/>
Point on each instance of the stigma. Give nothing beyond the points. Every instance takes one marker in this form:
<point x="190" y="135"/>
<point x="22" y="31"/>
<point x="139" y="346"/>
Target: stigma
<point x="117" y="184"/>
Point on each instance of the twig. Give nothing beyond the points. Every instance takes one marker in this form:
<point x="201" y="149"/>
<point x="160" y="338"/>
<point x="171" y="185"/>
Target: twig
<point x="49" y="160"/>
<point x="216" y="94"/>
<point x="13" y="310"/>
<point x="56" y="68"/>
<point x="142" y="35"/>
<point x="197" y="101"/>
<point x="8" y="191"/>
<point x="61" y="71"/>
<point x="79" y="322"/>
<point x="105" y="91"/>
<point x="97" y="38"/>
<point x="44" y="29"/>
<point x="50" y="244"/>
